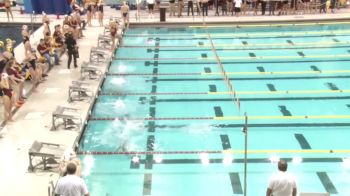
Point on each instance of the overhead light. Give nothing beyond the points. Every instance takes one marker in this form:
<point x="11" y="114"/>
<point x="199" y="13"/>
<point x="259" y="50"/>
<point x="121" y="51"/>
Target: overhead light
<point x="297" y="160"/>
<point x="135" y="159"/>
<point x="346" y="162"/>
<point x="274" y="158"/>
<point x="158" y="158"/>
<point x="204" y="158"/>
<point x="227" y="159"/>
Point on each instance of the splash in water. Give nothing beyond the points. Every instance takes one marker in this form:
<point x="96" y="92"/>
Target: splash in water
<point x="118" y="81"/>
<point x="122" y="69"/>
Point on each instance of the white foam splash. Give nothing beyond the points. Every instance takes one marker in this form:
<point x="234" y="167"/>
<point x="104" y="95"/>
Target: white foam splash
<point x="118" y="81"/>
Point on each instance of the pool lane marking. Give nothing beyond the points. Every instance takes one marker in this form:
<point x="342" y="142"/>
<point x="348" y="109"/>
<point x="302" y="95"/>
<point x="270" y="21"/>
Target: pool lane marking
<point x="247" y="45"/>
<point x="150" y="147"/>
<point x="235" y="58"/>
<point x="235" y="183"/>
<point x="226" y="118"/>
<point x="226" y="92"/>
<point x="229" y="151"/>
<point x="209" y="73"/>
<point x="280" y="44"/>
<point x="327" y="183"/>
<point x="304" y="144"/>
<point x="147" y="184"/>
<point x="332" y="32"/>
<point x="269" y="25"/>
<point x="277" y="57"/>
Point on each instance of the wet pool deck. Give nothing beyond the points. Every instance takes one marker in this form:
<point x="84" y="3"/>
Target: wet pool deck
<point x="33" y="119"/>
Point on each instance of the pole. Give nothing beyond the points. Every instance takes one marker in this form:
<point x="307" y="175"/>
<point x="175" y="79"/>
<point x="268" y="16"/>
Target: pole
<point x="245" y="130"/>
<point x="217" y="8"/>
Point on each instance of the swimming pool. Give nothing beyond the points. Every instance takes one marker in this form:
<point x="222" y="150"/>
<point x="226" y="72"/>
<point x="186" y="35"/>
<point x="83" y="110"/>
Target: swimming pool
<point x="13" y="31"/>
<point x="170" y="114"/>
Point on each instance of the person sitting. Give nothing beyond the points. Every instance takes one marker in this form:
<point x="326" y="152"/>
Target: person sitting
<point x="58" y="40"/>
<point x="71" y="184"/>
<point x="16" y="82"/>
<point x="45" y="51"/>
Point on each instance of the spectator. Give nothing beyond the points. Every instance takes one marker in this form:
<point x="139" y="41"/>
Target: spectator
<point x="71" y="184"/>
<point x="180" y="6"/>
<point x="45" y="51"/>
<point x="172" y="7"/>
<point x="189" y="7"/>
<point x="282" y="183"/>
<point x="8" y="4"/>
<point x="150" y="8"/>
<point x="100" y="12"/>
<point x="204" y="7"/>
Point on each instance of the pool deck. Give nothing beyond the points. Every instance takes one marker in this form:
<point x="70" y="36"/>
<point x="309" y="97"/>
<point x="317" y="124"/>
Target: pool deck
<point x="33" y="119"/>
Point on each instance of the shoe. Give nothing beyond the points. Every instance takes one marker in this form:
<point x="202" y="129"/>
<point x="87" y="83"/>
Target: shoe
<point x="44" y="75"/>
<point x="76" y="66"/>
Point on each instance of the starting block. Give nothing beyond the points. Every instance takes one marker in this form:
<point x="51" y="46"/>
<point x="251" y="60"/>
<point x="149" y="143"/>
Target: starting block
<point x="70" y="116"/>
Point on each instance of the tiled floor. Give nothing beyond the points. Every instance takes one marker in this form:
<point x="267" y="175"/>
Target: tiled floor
<point x="33" y="119"/>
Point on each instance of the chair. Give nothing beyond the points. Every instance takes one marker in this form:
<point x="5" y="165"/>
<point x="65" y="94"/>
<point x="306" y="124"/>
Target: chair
<point x="314" y="194"/>
<point x="47" y="153"/>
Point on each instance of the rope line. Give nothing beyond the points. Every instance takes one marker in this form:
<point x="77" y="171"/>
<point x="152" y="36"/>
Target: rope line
<point x="231" y="151"/>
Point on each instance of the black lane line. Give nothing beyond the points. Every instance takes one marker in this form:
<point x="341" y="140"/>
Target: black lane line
<point x="290" y="42"/>
<point x="147" y="184"/>
<point x="284" y="110"/>
<point x="255" y="99"/>
<point x="236" y="183"/>
<point x="235" y="63"/>
<point x="271" y="87"/>
<point x="193" y="48"/>
<point x="200" y="43"/>
<point x="152" y="112"/>
<point x="261" y="69"/>
<point x="151" y="126"/>
<point x="218" y="111"/>
<point x="207" y="70"/>
<point x="284" y="125"/>
<point x="348" y="106"/>
<point x="249" y="160"/>
<point x="304" y="144"/>
<point x="335" y="40"/>
<point x="245" y="43"/>
<point x="252" y="54"/>
<point x="225" y="141"/>
<point x="212" y="88"/>
<point x="150" y="147"/>
<point x="314" y="68"/>
<point x="332" y="86"/>
<point x="245" y="37"/>
<point x="301" y="53"/>
<point x="327" y="183"/>
<point x="204" y="55"/>
<point x="135" y="165"/>
<point x="257" y="78"/>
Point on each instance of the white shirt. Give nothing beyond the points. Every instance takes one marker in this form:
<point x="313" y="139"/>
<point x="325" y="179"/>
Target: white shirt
<point x="282" y="184"/>
<point x="71" y="185"/>
<point x="150" y="1"/>
<point x="238" y="3"/>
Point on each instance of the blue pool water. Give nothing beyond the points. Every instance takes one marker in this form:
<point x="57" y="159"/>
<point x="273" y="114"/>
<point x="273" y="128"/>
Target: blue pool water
<point x="164" y="102"/>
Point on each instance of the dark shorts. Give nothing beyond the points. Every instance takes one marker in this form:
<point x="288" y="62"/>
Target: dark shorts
<point x="100" y="8"/>
<point x="150" y="6"/>
<point x="125" y="15"/>
<point x="89" y="8"/>
<point x="237" y="9"/>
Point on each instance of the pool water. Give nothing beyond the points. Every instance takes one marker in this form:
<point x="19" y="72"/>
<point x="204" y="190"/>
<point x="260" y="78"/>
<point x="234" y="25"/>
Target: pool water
<point x="167" y="123"/>
<point x="13" y="31"/>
